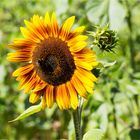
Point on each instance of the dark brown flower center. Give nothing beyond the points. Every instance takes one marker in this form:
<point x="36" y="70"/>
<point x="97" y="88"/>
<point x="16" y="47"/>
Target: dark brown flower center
<point x="53" y="61"/>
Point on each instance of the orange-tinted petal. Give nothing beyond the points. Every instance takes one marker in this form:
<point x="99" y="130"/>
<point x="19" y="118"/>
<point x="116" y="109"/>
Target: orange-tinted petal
<point x="33" y="30"/>
<point x="78" y="86"/>
<point x="88" y="74"/>
<point x="41" y="85"/>
<point x="54" y="26"/>
<point x="23" y="70"/>
<point x="62" y="97"/>
<point x="82" y="64"/>
<point x="21" y="43"/>
<point x="28" y="35"/>
<point x="78" y="30"/>
<point x="47" y="20"/>
<point x="44" y="101"/>
<point x="19" y="57"/>
<point x="85" y="53"/>
<point x="76" y="39"/>
<point x="65" y="29"/>
<point x="78" y="46"/>
<point x="39" y="26"/>
<point x="29" y="82"/>
<point x="84" y="79"/>
<point x="73" y="95"/>
<point x="49" y="96"/>
<point x="34" y="97"/>
<point x="87" y="78"/>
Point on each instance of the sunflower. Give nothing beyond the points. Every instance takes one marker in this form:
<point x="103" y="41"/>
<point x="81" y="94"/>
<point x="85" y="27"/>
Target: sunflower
<point x="56" y="64"/>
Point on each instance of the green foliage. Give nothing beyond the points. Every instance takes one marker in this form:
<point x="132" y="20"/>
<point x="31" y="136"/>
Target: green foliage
<point x="31" y="110"/>
<point x="135" y="134"/>
<point x="94" y="134"/>
<point x="115" y="106"/>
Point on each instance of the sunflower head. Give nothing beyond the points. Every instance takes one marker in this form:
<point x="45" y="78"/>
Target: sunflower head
<point x="104" y="38"/>
<point x="56" y="62"/>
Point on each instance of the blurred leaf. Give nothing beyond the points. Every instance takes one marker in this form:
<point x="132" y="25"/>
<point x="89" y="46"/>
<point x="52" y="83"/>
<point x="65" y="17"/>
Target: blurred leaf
<point x="61" y="6"/>
<point x="2" y="101"/>
<point x="94" y="134"/>
<point x="103" y="113"/>
<point x="96" y="10"/>
<point x="136" y="75"/>
<point x="109" y="64"/>
<point x="103" y="64"/>
<point x="31" y="110"/>
<point x="135" y="134"/>
<point x="117" y="15"/>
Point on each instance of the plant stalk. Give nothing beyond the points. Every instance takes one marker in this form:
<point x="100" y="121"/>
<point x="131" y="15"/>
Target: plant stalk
<point x="132" y="51"/>
<point x="114" y="117"/>
<point x="77" y="123"/>
<point x="131" y="44"/>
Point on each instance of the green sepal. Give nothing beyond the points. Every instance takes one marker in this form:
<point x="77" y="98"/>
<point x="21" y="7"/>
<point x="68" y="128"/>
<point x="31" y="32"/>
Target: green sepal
<point x="31" y="110"/>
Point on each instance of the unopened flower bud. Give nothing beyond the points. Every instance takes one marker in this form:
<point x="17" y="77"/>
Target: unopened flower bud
<point x="104" y="38"/>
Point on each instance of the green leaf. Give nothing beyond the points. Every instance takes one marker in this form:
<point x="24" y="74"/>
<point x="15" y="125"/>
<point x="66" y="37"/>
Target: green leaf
<point x="135" y="134"/>
<point x="103" y="64"/>
<point x="108" y="64"/>
<point x="117" y="15"/>
<point x="96" y="11"/>
<point x="94" y="134"/>
<point x="31" y="110"/>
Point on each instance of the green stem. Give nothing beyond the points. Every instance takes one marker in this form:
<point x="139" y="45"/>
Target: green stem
<point x="114" y="117"/>
<point x="131" y="44"/>
<point x="136" y="99"/>
<point x="77" y="123"/>
<point x="132" y="50"/>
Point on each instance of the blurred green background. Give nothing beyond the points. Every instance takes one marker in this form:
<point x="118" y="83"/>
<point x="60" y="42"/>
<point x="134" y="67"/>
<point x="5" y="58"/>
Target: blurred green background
<point x="115" y="106"/>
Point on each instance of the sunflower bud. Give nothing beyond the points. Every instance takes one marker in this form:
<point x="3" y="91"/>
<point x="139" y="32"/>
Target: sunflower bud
<point x="104" y="38"/>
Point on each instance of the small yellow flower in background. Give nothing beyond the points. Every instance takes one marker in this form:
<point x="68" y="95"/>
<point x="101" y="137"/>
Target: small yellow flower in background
<point x="56" y="62"/>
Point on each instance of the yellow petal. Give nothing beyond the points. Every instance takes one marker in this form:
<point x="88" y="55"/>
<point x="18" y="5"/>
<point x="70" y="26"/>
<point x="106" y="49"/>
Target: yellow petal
<point x="78" y="46"/>
<point x="40" y="26"/>
<point x="58" y="96"/>
<point x="83" y="64"/>
<point x="78" y="86"/>
<point x="34" y="97"/>
<point x="19" y="57"/>
<point x="23" y="70"/>
<point x="21" y="43"/>
<point x="43" y="101"/>
<point x="49" y="96"/>
<point x="54" y="25"/>
<point x="88" y="74"/>
<point x="94" y="64"/>
<point x="28" y="35"/>
<point x="47" y="20"/>
<point x="89" y="89"/>
<point x="73" y="95"/>
<point x="28" y="82"/>
<point x="33" y="30"/>
<point x="76" y="39"/>
<point x="78" y="29"/>
<point x="62" y="97"/>
<point x="23" y="80"/>
<point x="85" y="53"/>
<point x="65" y="29"/>
<point x="84" y="79"/>
<point x="41" y="85"/>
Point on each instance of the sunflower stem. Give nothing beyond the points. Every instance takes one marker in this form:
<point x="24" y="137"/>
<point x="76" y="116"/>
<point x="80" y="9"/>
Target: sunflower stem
<point x="77" y="123"/>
